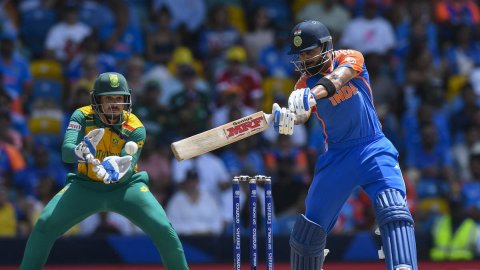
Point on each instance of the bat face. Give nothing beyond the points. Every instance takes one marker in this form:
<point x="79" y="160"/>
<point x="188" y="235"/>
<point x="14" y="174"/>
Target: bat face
<point x="220" y="136"/>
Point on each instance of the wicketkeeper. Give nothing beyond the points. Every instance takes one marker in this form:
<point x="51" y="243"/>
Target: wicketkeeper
<point x="107" y="177"/>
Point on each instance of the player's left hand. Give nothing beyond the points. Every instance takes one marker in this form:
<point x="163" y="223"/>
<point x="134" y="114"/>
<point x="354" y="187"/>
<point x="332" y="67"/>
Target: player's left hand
<point x="283" y="120"/>
<point x="86" y="149"/>
<point x="301" y="101"/>
<point x="113" y="168"/>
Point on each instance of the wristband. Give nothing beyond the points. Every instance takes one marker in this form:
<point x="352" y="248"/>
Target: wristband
<point x="331" y="89"/>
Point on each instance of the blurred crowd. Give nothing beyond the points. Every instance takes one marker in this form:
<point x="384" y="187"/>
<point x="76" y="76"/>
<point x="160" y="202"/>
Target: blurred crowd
<point x="196" y="64"/>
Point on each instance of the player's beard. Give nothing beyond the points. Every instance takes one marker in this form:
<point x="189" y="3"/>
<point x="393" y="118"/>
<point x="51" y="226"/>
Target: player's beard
<point x="320" y="63"/>
<point x="112" y="113"/>
<point x="317" y="65"/>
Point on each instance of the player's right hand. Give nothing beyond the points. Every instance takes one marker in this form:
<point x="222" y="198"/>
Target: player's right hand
<point x="283" y="120"/>
<point x="113" y="168"/>
<point x="87" y="148"/>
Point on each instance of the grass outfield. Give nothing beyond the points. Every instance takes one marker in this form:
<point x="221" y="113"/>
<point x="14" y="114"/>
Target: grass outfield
<point x="472" y="265"/>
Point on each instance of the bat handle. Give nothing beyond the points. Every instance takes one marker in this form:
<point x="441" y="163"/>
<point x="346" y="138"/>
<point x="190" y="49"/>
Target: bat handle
<point x="270" y="117"/>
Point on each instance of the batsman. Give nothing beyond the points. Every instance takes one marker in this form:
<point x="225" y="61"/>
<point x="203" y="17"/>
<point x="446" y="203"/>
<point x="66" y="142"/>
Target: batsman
<point x="357" y="153"/>
<point x="107" y="177"/>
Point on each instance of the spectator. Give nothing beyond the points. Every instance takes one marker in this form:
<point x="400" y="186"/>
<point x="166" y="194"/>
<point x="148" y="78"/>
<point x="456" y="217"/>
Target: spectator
<point x="284" y="151"/>
<point x="462" y="114"/>
<point x="36" y="18"/>
<point x="162" y="39"/>
<point x="90" y="59"/>
<point x="243" y="157"/>
<point x="17" y="121"/>
<point x="216" y="37"/>
<point x="136" y="74"/>
<point x="259" y="35"/>
<point x="462" y="151"/>
<point x="95" y="14"/>
<point x="156" y="160"/>
<point x="88" y="75"/>
<point x="369" y="33"/>
<point x="8" y="220"/>
<point x="451" y="13"/>
<point x="31" y="206"/>
<point x="464" y="55"/>
<point x="106" y="223"/>
<point x="191" y="107"/>
<point x="232" y="103"/>
<point x="12" y="163"/>
<point x="191" y="13"/>
<point x="64" y="38"/>
<point x="330" y="12"/>
<point x="105" y="227"/>
<point x="15" y="73"/>
<point x="414" y="28"/>
<point x="471" y="188"/>
<point x="433" y="162"/>
<point x="213" y="174"/>
<point x="155" y="116"/>
<point x="193" y="211"/>
<point x="43" y="164"/>
<point x="122" y="39"/>
<point x="289" y="188"/>
<point x="273" y="60"/>
<point x="455" y="236"/>
<point x="8" y="133"/>
<point x="238" y="75"/>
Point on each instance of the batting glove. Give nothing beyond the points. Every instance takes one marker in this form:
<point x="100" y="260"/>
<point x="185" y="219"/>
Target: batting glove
<point x="87" y="148"/>
<point x="301" y="101"/>
<point x="283" y="120"/>
<point x="113" y="168"/>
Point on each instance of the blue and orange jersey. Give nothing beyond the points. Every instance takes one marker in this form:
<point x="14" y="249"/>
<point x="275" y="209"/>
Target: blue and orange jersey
<point x="349" y="115"/>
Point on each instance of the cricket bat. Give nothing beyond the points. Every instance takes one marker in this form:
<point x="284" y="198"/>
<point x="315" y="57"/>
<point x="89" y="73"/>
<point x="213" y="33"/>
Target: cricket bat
<point x="224" y="135"/>
<point x="220" y="136"/>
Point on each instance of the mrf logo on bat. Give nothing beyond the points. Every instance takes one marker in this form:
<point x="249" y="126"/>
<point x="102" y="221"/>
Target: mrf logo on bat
<point x="243" y="126"/>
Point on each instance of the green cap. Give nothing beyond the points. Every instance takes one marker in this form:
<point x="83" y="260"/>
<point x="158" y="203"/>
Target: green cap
<point x="111" y="83"/>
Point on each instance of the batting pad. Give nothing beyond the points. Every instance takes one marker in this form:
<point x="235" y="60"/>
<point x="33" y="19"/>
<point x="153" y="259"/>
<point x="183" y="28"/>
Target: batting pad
<point x="307" y="243"/>
<point x="396" y="229"/>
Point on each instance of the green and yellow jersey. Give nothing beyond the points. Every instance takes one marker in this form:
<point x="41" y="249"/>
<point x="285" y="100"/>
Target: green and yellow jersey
<point x="83" y="120"/>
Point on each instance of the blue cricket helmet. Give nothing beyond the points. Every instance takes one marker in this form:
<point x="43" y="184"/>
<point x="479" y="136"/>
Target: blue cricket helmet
<point x="308" y="35"/>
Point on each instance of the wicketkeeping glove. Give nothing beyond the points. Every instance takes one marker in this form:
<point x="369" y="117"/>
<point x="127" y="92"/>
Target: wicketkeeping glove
<point x="113" y="168"/>
<point x="283" y="120"/>
<point x="87" y="148"/>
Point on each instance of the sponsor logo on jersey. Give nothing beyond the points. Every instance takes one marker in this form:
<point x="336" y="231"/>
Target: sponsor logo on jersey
<point x="74" y="125"/>
<point x="350" y="60"/>
<point x="144" y="189"/>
